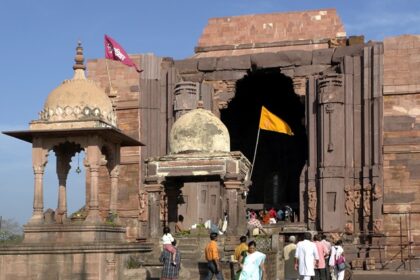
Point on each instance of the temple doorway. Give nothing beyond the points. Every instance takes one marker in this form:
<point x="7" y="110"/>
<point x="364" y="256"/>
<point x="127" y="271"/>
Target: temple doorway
<point x="280" y="158"/>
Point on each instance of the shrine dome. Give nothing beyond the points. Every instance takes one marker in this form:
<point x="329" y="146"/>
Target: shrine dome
<point x="78" y="99"/>
<point x="199" y="131"/>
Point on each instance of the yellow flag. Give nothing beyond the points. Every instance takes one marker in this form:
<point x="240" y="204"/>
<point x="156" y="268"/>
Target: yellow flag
<point x="269" y="121"/>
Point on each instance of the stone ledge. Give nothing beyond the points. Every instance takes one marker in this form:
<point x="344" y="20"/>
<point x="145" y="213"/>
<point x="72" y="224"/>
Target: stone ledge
<point x="401" y="149"/>
<point x="261" y="45"/>
<point x="394" y="208"/>
<point x="59" y="234"/>
<point x="36" y="248"/>
<point x="401" y="89"/>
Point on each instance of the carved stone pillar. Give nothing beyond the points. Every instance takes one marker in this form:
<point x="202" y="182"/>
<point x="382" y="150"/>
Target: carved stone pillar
<point x="114" y="175"/>
<point x="93" y="159"/>
<point x="231" y="196"/>
<point x="367" y="208"/>
<point x="63" y="167"/>
<point x="113" y="206"/>
<point x="331" y="161"/>
<point x="143" y="231"/>
<point x="377" y="194"/>
<point x="154" y="201"/>
<point x="242" y="222"/>
<point x="39" y="160"/>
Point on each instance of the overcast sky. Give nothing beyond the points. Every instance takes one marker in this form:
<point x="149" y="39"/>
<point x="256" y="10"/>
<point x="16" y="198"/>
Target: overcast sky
<point x="38" y="40"/>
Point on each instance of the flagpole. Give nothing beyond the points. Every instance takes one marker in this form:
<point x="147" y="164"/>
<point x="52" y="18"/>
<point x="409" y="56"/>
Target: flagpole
<point x="109" y="78"/>
<point x="255" y="153"/>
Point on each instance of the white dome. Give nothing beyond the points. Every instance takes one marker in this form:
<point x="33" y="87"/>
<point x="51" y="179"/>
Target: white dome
<point x="199" y="131"/>
<point x="78" y="99"/>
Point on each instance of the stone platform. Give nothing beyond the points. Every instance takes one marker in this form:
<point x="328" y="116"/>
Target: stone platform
<point x="73" y="233"/>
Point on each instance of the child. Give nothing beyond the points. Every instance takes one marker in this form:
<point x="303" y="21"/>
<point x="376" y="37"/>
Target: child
<point x="167" y="240"/>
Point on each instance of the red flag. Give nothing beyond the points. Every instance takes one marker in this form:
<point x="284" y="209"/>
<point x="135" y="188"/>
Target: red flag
<point x="114" y="51"/>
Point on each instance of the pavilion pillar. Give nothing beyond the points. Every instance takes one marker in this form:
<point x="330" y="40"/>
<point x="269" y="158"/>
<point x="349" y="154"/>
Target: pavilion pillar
<point x="39" y="160"/>
<point x="93" y="158"/>
<point x="63" y="167"/>
<point x="113" y="204"/>
<point x="114" y="174"/>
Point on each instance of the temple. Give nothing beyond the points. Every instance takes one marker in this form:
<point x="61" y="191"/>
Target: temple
<point x="180" y="138"/>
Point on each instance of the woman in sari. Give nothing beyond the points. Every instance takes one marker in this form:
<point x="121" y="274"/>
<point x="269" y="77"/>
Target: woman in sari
<point x="253" y="265"/>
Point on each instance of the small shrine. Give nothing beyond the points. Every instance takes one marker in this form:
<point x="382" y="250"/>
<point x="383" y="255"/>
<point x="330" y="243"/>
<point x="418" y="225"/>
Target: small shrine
<point x="77" y="116"/>
<point x="200" y="178"/>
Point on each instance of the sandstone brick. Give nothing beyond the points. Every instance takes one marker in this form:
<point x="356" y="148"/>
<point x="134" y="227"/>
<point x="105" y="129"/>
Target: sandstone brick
<point x="356" y="40"/>
<point x="196" y="77"/>
<point x="307" y="70"/>
<point x="322" y="56"/>
<point x="242" y="62"/>
<point x="187" y="66"/>
<point x="340" y="52"/>
<point x="297" y="58"/>
<point x="263" y="28"/>
<point x="224" y="75"/>
<point x="207" y="64"/>
<point x="265" y="60"/>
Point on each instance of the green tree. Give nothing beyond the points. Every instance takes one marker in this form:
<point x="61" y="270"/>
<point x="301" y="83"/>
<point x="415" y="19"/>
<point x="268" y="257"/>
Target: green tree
<point x="10" y="231"/>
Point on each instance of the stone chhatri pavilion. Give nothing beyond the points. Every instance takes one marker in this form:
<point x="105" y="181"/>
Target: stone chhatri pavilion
<point x="351" y="170"/>
<point x="77" y="116"/>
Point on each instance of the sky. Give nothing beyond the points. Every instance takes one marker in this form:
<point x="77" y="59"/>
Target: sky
<point x="38" y="40"/>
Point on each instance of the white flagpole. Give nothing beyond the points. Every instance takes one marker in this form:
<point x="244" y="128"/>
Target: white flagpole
<point x="255" y="153"/>
<point x="109" y="78"/>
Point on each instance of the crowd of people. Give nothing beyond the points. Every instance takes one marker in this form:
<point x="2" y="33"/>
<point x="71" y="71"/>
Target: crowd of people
<point x="272" y="215"/>
<point x="315" y="259"/>
<point x="311" y="258"/>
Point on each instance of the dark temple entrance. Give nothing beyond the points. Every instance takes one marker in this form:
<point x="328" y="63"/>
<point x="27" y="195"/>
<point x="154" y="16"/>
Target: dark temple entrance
<point x="280" y="157"/>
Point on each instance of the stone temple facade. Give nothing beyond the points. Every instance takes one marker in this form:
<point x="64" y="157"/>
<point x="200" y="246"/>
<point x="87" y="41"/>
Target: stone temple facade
<point x="350" y="170"/>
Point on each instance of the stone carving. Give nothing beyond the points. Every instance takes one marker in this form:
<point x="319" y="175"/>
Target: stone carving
<point x="330" y="89"/>
<point x="115" y="172"/>
<point x="378" y="226"/>
<point x="334" y="237"/>
<point x="357" y="196"/>
<point x="349" y="228"/>
<point x="366" y="200"/>
<point x="78" y="113"/>
<point x="60" y="216"/>
<point x="350" y="203"/>
<point x="329" y="109"/>
<point x="39" y="169"/>
<point x="299" y="86"/>
<point x="49" y="216"/>
<point x="103" y="161"/>
<point x="163" y="206"/>
<point x="312" y="201"/>
<point x="376" y="192"/>
<point x="143" y="205"/>
<point x="370" y="263"/>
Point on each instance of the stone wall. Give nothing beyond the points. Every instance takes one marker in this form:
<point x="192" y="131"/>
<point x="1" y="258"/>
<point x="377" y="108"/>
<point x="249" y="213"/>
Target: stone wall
<point x="125" y="96"/>
<point x="401" y="145"/>
<point x="70" y="261"/>
<point x="305" y="30"/>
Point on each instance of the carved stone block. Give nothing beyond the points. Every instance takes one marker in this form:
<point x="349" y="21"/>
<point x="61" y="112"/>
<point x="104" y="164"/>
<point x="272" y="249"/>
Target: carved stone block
<point x="370" y="263"/>
<point x="242" y="62"/>
<point x="357" y="264"/>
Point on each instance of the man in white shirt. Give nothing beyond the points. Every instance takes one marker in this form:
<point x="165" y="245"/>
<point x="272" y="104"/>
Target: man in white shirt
<point x="289" y="252"/>
<point x="306" y="257"/>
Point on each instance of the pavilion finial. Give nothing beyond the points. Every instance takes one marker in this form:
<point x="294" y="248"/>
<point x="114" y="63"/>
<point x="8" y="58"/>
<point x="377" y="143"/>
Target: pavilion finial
<point x="79" y="59"/>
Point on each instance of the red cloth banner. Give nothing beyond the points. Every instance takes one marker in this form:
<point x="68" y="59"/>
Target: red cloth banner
<point x="114" y="51"/>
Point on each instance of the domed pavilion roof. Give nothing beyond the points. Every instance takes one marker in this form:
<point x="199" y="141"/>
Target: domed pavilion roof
<point x="78" y="99"/>
<point x="199" y="131"/>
